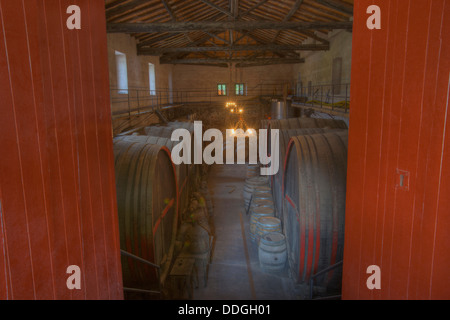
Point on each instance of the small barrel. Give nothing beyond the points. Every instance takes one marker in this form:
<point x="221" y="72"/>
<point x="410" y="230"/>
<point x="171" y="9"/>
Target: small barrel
<point x="272" y="252"/>
<point x="267" y="225"/>
<point x="253" y="170"/>
<point x="250" y="185"/>
<point x="257" y="213"/>
<point x="264" y="188"/>
<point x="262" y="194"/>
<point x="262" y="203"/>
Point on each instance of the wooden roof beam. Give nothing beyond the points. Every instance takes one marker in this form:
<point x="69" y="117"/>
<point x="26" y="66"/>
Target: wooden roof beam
<point x="228" y="13"/>
<point x="269" y="47"/>
<point x="124" y="8"/>
<point x="169" y="10"/>
<point x="256" y="6"/>
<point x="337" y="5"/>
<point x="293" y="10"/>
<point x="184" y="26"/>
<point x="266" y="63"/>
<point x="234" y="60"/>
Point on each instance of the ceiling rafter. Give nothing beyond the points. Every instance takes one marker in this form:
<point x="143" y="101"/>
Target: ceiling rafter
<point x="293" y="10"/>
<point x="224" y="25"/>
<point x="218" y="8"/>
<point x="337" y="5"/>
<point x="268" y="47"/>
<point x="256" y="6"/>
<point x="220" y="32"/>
<point x="232" y="60"/>
<point x="169" y="10"/>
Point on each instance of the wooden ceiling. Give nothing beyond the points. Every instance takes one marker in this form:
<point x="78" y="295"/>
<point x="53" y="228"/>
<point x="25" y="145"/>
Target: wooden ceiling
<point x="220" y="32"/>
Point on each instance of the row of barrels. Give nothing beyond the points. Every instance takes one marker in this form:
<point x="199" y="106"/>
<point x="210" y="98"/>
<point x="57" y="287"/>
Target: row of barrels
<point x="309" y="195"/>
<point x="151" y="194"/>
<point x="265" y="228"/>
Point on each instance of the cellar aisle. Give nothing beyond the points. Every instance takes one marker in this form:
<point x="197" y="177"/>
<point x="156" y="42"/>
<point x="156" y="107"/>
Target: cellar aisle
<point x="234" y="272"/>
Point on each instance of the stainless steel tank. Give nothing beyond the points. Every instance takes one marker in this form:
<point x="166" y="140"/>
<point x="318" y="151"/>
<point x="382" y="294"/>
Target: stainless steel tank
<point x="281" y="109"/>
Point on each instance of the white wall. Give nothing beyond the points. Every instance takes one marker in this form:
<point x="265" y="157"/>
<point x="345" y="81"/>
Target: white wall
<point x="318" y="64"/>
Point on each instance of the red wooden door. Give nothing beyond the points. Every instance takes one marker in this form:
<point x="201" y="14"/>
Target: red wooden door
<point x="57" y="191"/>
<point x="398" y="191"/>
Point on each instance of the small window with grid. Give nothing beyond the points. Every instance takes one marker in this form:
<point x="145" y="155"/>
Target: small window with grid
<point x="222" y="89"/>
<point x="240" y="89"/>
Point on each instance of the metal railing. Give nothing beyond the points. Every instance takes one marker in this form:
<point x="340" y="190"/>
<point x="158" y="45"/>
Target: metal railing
<point x="320" y="273"/>
<point x="137" y="290"/>
<point x="326" y="96"/>
<point x="138" y="100"/>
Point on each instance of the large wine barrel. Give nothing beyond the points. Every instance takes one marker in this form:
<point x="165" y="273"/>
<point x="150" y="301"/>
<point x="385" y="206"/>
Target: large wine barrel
<point x="182" y="170"/>
<point x="276" y="180"/>
<point x="302" y="123"/>
<point x="159" y="131"/>
<point x="166" y="132"/>
<point x="182" y="124"/>
<point x="147" y="209"/>
<point x="314" y="190"/>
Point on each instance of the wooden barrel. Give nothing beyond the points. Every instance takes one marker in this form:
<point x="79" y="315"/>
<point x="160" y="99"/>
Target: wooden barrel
<point x="314" y="189"/>
<point x="276" y="180"/>
<point x="159" y="131"/>
<point x="262" y="194"/>
<point x="255" y="214"/>
<point x="182" y="124"/>
<point x="253" y="170"/>
<point x="250" y="185"/>
<point x="162" y="135"/>
<point x="267" y="225"/>
<point x="182" y="170"/>
<point x="147" y="210"/>
<point x="262" y="203"/>
<point x="272" y="252"/>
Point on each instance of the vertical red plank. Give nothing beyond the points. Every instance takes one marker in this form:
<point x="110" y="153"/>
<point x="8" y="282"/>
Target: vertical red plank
<point x="62" y="179"/>
<point x="89" y="159"/>
<point x="374" y="125"/>
<point x="4" y="285"/>
<point x="421" y="255"/>
<point x="353" y="272"/>
<point x="17" y="35"/>
<point x="104" y="144"/>
<point x="7" y="117"/>
<point x="440" y="277"/>
<point x="441" y="257"/>
<point x="71" y="58"/>
<point x="383" y="238"/>
<point x="411" y="115"/>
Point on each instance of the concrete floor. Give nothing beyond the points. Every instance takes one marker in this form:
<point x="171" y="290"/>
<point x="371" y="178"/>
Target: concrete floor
<point x="234" y="272"/>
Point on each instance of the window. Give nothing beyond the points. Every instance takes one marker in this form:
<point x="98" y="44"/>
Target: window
<point x="151" y="78"/>
<point x="222" y="89"/>
<point x="240" y="89"/>
<point x="122" y="73"/>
